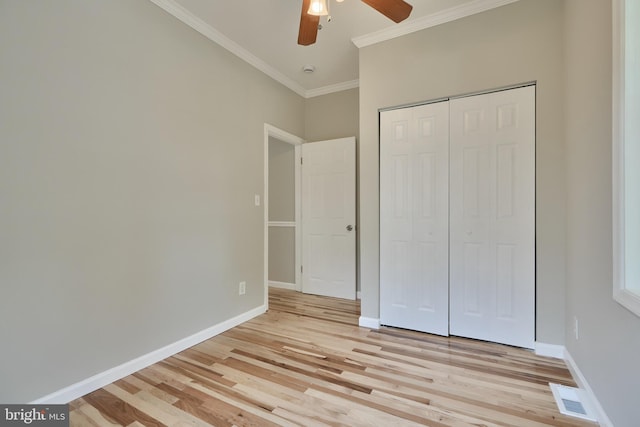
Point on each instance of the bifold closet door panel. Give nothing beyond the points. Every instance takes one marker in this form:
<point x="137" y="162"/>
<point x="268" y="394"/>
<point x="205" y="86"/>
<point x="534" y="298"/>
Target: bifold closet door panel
<point x="492" y="217"/>
<point x="414" y="229"/>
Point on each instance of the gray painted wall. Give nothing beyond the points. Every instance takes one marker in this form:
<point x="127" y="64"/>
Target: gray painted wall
<point x="282" y="254"/>
<point x="609" y="335"/>
<point x="130" y="151"/>
<point x="282" y="197"/>
<point x="517" y="43"/>
<point x="332" y="116"/>
<point x="281" y="208"/>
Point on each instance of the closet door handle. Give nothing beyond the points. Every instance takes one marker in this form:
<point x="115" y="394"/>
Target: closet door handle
<point x="349" y="227"/>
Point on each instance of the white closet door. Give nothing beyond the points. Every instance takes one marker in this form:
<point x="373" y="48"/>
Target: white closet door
<point x="414" y="189"/>
<point x="492" y="216"/>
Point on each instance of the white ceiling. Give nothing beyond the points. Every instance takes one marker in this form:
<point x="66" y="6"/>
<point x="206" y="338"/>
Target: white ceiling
<point x="265" y="33"/>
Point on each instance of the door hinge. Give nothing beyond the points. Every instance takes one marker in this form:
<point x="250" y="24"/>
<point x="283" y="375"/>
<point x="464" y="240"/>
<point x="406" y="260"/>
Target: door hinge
<point x="300" y="160"/>
<point x="301" y="269"/>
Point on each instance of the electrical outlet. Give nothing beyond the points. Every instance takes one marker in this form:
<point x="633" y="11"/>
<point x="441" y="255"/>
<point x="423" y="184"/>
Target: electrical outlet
<point x="575" y="327"/>
<point x="242" y="288"/>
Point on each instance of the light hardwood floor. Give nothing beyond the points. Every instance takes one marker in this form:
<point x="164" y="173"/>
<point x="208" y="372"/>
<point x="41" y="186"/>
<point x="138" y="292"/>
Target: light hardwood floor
<point x="307" y="363"/>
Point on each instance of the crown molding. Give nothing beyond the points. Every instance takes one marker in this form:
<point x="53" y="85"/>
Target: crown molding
<point x="428" y="21"/>
<point x="175" y="9"/>
<point x="338" y="87"/>
<point x="448" y="15"/>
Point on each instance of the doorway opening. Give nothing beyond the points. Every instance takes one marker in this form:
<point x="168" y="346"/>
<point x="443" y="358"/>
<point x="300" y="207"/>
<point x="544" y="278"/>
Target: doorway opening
<point x="282" y="212"/>
<point x="309" y="215"/>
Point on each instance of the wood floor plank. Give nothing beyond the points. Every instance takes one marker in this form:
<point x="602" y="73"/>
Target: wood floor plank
<point x="117" y="410"/>
<point x="307" y="363"/>
<point x="158" y="412"/>
<point x="88" y="415"/>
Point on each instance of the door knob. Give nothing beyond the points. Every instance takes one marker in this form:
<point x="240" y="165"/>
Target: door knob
<point x="349" y="227"/>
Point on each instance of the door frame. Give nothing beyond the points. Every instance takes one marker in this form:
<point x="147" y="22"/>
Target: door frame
<point x="271" y="131"/>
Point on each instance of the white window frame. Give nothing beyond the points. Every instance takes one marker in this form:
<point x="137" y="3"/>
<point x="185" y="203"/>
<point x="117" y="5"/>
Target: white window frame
<point x="626" y="283"/>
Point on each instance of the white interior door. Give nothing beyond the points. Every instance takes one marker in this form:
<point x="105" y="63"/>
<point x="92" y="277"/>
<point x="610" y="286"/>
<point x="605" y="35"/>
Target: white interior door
<point x="328" y="218"/>
<point x="492" y="217"/>
<point x="414" y="229"/>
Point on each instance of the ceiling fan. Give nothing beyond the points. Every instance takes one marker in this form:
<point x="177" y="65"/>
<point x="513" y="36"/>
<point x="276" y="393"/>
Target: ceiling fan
<point x="396" y="10"/>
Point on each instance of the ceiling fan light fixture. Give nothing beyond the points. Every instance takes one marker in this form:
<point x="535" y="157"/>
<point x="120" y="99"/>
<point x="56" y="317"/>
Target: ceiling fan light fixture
<point x="312" y="10"/>
<point x="318" y="8"/>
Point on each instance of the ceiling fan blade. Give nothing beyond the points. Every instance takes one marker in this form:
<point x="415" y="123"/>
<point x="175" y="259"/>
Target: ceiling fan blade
<point x="396" y="10"/>
<point x="308" y="26"/>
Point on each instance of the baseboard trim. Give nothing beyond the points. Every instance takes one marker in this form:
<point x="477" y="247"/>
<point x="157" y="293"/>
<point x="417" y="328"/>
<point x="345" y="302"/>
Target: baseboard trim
<point x="369" y="322"/>
<point x="100" y="380"/>
<point x="283" y="285"/>
<point x="582" y="382"/>
<point x="358" y="295"/>
<point x="550" y="350"/>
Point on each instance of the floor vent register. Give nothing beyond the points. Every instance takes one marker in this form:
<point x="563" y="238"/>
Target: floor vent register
<point x="572" y="401"/>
